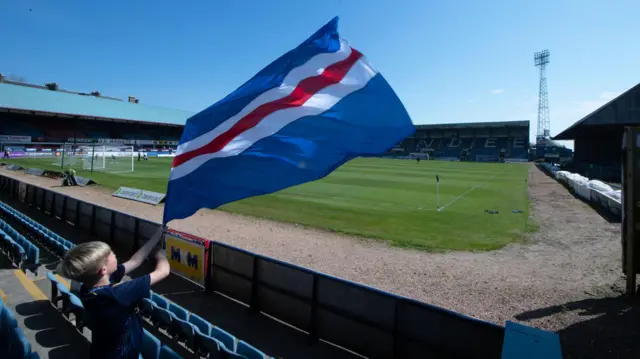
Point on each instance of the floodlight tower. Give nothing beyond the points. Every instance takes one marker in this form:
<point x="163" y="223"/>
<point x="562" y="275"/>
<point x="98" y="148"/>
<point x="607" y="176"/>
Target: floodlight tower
<point x="541" y="59"/>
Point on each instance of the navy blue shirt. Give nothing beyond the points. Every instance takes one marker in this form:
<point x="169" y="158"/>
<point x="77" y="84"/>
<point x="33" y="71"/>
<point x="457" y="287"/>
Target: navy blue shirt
<point x="116" y="330"/>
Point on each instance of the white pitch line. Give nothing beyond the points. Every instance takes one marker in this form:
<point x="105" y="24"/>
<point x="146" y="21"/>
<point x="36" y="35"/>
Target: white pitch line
<point x="468" y="191"/>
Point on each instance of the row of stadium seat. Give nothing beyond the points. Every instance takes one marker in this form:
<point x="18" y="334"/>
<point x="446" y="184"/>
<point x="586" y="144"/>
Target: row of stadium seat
<point x="20" y="251"/>
<point x="152" y="348"/>
<point x="71" y="304"/>
<point x="199" y="335"/>
<point x="37" y="232"/>
<point x="487" y="147"/>
<point x="478" y="146"/>
<point x="13" y="343"/>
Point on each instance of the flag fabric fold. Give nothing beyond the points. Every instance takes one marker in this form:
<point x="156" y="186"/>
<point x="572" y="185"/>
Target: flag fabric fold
<point x="313" y="109"/>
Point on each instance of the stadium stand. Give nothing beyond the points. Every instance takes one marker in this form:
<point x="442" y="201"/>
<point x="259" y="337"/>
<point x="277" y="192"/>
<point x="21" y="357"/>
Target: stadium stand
<point x="483" y="142"/>
<point x="36" y="231"/>
<point x="179" y="325"/>
<point x="18" y="249"/>
<point x="32" y="114"/>
<point x="162" y="313"/>
<point x="552" y="151"/>
<point x="13" y="343"/>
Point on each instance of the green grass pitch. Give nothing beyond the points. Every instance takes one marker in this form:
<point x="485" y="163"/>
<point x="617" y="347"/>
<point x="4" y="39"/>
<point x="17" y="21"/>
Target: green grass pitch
<point x="393" y="200"/>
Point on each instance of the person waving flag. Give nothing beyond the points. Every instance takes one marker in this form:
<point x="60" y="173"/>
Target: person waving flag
<point x="301" y="117"/>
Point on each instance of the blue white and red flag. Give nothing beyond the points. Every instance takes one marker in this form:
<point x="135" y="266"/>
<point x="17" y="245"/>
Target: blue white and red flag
<point x="313" y="109"/>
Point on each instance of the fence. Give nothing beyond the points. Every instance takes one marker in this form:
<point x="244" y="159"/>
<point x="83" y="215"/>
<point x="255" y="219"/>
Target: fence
<point x="362" y="319"/>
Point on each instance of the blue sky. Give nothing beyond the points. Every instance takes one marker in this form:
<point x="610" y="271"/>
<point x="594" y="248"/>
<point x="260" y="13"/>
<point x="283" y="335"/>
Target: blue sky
<point x="449" y="61"/>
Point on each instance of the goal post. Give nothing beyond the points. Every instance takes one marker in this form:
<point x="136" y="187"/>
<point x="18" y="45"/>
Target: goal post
<point x="108" y="158"/>
<point x="98" y="157"/>
<point x="68" y="155"/>
<point x="91" y="157"/>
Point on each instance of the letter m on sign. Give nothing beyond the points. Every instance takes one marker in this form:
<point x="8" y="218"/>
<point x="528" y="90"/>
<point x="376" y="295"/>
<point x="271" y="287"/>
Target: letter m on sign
<point x="175" y="254"/>
<point x="192" y="260"/>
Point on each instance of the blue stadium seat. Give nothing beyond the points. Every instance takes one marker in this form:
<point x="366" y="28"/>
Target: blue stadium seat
<point x="19" y="346"/>
<point x="201" y="336"/>
<point x="40" y="233"/>
<point x="201" y="328"/>
<point x="67" y="306"/>
<point x="150" y="346"/>
<point x="11" y="248"/>
<point x="180" y="326"/>
<point x="33" y="255"/>
<point x="227" y="354"/>
<point x="249" y="352"/>
<point x="76" y="307"/>
<point x="168" y="353"/>
<point x="159" y="301"/>
<point x="6" y="243"/>
<point x="227" y="340"/>
<point x="210" y="346"/>
<point x="147" y="307"/>
<point x="54" y="288"/>
<point x="7" y="323"/>
<point x="162" y="318"/>
<point x="21" y="251"/>
<point x="160" y="315"/>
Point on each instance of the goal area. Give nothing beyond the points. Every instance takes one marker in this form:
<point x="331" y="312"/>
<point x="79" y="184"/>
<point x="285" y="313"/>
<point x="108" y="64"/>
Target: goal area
<point x="104" y="158"/>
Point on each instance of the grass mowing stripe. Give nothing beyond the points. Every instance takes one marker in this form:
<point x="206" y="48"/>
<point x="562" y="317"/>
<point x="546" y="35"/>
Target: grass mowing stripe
<point x="465" y="193"/>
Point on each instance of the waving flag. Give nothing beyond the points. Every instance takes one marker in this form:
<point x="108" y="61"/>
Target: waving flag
<point x="316" y="107"/>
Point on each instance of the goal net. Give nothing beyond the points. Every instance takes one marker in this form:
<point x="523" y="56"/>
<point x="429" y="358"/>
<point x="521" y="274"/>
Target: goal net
<point x="112" y="159"/>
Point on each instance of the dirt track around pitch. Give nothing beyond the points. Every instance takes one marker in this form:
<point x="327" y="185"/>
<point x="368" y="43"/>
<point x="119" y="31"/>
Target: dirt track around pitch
<point x="571" y="262"/>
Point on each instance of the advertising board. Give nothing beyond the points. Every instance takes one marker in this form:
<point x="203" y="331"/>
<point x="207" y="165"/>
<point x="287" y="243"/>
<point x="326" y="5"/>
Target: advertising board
<point x="139" y="195"/>
<point x="9" y="138"/>
<point x="187" y="256"/>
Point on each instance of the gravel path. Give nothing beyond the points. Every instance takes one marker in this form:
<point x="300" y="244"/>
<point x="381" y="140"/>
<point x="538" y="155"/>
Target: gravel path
<point x="573" y="258"/>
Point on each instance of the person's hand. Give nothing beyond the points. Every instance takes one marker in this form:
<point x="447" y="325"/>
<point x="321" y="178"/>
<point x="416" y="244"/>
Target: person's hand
<point x="160" y="254"/>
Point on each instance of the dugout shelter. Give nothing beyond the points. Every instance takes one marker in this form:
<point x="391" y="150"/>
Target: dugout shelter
<point x="598" y="137"/>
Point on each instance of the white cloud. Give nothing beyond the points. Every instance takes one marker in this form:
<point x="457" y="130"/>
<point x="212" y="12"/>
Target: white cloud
<point x="497" y="91"/>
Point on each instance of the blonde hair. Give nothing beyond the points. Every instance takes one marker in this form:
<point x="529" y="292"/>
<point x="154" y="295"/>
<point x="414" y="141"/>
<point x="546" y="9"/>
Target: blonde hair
<point x="83" y="262"/>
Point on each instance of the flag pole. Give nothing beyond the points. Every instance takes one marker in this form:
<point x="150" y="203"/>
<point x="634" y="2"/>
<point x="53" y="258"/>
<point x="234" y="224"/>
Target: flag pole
<point x="438" y="194"/>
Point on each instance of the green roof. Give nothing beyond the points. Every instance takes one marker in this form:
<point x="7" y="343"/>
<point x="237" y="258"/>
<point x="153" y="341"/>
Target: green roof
<point x="25" y="98"/>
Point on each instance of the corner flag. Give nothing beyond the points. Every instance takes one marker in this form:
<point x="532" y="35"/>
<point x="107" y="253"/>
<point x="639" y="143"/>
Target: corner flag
<point x="301" y="117"/>
<point x="437" y="179"/>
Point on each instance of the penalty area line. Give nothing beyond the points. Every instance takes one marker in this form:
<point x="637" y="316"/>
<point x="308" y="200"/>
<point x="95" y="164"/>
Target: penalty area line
<point x="468" y="191"/>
